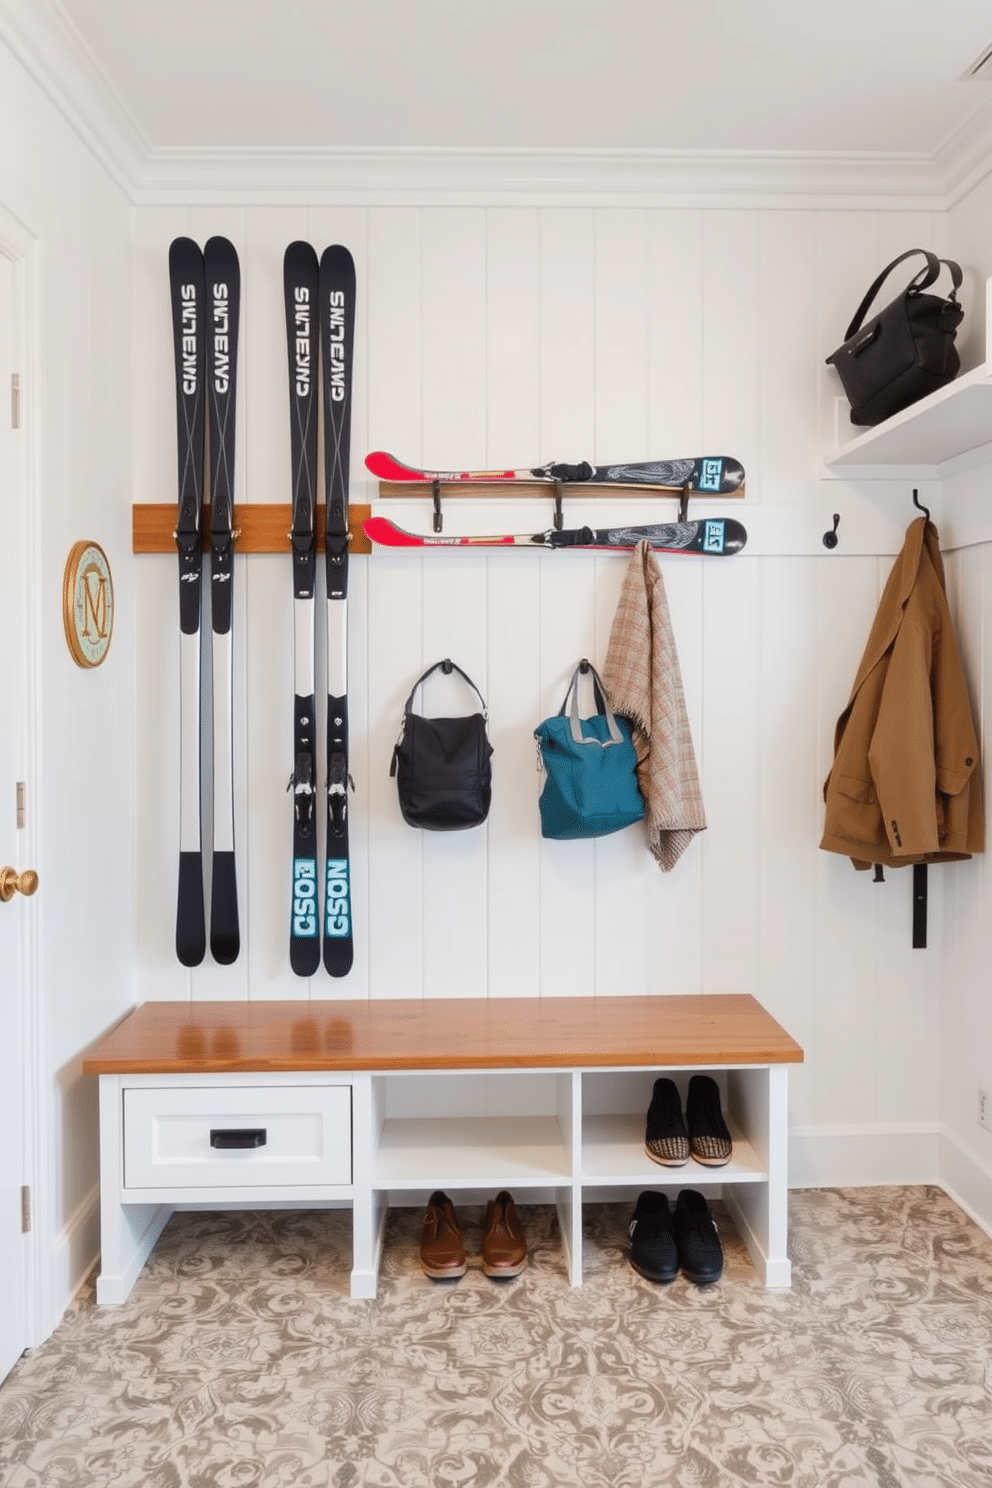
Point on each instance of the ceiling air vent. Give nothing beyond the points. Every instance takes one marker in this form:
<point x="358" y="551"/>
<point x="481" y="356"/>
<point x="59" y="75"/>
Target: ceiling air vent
<point x="980" y="71"/>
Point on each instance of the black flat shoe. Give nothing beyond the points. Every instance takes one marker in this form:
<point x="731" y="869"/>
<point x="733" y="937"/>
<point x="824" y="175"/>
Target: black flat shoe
<point x="652" y="1244"/>
<point x="697" y="1242"/>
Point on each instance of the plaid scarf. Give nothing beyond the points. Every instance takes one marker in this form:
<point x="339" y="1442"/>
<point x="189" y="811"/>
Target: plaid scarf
<point x="642" y="678"/>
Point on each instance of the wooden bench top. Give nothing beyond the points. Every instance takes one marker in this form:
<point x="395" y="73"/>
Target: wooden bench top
<point x="442" y="1034"/>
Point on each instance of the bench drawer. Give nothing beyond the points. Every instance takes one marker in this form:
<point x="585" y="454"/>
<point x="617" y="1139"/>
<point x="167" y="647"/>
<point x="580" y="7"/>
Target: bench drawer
<point x="237" y="1137"/>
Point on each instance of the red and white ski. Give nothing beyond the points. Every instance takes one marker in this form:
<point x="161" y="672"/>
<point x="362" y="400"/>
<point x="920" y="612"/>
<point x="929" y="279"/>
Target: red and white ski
<point x="715" y="537"/>
<point x="710" y="475"/>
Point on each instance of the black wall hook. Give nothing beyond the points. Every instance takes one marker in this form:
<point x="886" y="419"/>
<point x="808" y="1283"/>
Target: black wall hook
<point x="830" y="538"/>
<point x="919" y="505"/>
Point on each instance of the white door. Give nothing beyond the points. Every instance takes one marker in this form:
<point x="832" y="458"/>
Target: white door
<point x="15" y="911"/>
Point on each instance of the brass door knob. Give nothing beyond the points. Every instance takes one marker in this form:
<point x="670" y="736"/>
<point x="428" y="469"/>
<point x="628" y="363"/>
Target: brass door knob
<point x="12" y="883"/>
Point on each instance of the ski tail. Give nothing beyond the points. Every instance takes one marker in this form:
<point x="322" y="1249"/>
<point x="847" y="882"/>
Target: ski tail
<point x="337" y="332"/>
<point x="223" y="278"/>
<point x="187" y="286"/>
<point x="301" y="295"/>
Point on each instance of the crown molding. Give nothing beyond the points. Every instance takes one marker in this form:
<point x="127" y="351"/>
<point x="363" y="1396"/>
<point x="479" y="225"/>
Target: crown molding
<point x="965" y="157"/>
<point x="565" y="177"/>
<point x="42" y="37"/>
<point x="48" y="46"/>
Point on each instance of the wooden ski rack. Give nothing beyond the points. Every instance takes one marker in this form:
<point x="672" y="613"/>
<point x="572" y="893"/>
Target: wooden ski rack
<point x="537" y="490"/>
<point x="258" y="528"/>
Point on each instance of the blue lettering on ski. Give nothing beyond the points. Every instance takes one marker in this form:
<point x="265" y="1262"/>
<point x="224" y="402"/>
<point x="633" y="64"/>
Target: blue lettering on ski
<point x="713" y="536"/>
<point x="709" y="475"/>
<point x="304" y="898"/>
<point x="337" y="915"/>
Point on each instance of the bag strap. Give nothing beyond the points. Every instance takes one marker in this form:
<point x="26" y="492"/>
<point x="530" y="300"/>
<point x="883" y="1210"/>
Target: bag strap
<point x="571" y="702"/>
<point x="447" y="666"/>
<point x="919" y="282"/>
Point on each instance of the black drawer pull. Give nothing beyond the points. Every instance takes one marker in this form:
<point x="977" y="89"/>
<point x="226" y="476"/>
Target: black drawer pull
<point x="238" y="1136"/>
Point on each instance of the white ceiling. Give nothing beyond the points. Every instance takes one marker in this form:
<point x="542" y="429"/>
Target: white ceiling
<point x="867" y="77"/>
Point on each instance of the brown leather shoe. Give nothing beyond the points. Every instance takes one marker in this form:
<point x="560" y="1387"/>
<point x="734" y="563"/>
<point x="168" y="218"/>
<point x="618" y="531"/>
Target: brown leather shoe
<point x="504" y="1249"/>
<point x="442" y="1250"/>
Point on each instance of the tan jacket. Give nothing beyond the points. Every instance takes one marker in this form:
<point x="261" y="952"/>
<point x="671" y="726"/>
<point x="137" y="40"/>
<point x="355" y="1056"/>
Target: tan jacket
<point x="905" y="785"/>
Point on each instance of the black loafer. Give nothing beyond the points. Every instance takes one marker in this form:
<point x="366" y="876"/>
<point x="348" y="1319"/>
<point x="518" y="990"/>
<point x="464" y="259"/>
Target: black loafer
<point x="697" y="1242"/>
<point x="652" y="1243"/>
<point x="709" y="1139"/>
<point x="666" y="1140"/>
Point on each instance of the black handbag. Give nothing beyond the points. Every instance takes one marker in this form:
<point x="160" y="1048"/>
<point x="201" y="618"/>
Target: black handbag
<point x="905" y="351"/>
<point x="443" y="766"/>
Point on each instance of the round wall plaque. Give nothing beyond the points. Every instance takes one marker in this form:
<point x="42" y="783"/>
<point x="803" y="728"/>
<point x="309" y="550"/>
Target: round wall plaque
<point x="88" y="604"/>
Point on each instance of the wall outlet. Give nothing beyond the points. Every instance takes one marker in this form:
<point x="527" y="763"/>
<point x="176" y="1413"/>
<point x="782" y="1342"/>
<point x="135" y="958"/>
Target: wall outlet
<point x="984" y="1109"/>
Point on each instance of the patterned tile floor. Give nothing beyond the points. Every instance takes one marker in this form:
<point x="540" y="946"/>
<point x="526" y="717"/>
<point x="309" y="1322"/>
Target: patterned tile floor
<point x="241" y="1362"/>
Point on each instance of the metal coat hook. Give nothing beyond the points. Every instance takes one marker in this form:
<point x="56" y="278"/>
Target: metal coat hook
<point x="438" y="519"/>
<point x="559" y="519"/>
<point x="830" y="538"/>
<point x="919" y="505"/>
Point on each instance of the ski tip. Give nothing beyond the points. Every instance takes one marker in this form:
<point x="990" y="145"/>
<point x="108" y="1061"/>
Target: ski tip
<point x="300" y="254"/>
<point x="337" y="259"/>
<point x="183" y="249"/>
<point x="385" y="466"/>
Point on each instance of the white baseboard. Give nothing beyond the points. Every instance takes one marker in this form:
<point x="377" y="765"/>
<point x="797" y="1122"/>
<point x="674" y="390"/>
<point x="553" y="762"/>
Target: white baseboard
<point x="75" y="1252"/>
<point x="967" y="1182"/>
<point x="864" y="1157"/>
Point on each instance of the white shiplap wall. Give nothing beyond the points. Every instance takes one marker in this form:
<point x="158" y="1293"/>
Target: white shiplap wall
<point x="519" y="333"/>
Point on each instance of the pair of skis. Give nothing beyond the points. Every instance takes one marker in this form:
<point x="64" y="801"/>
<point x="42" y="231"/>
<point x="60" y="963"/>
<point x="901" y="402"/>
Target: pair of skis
<point x="320" y="323"/>
<point x="716" y="475"/>
<point x="206" y="305"/>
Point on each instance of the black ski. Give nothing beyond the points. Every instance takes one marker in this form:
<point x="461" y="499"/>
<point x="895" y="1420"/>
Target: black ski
<point x="189" y="342"/>
<point x="337" y="333"/>
<point x="223" y="281"/>
<point x="300" y="286"/>
<point x="712" y="537"/>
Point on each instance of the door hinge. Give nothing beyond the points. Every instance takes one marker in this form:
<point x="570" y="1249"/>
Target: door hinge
<point x="21" y="814"/>
<point x="25" y="1210"/>
<point x="15" y="400"/>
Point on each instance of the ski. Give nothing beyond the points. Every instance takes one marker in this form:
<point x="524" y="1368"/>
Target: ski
<point x="223" y="294"/>
<point x="337" y="332"/>
<point x="186" y="283"/>
<point x="719" y="537"/>
<point x="711" y="475"/>
<point x="300" y="287"/>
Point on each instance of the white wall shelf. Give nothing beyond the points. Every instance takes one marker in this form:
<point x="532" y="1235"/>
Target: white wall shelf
<point x="928" y="438"/>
